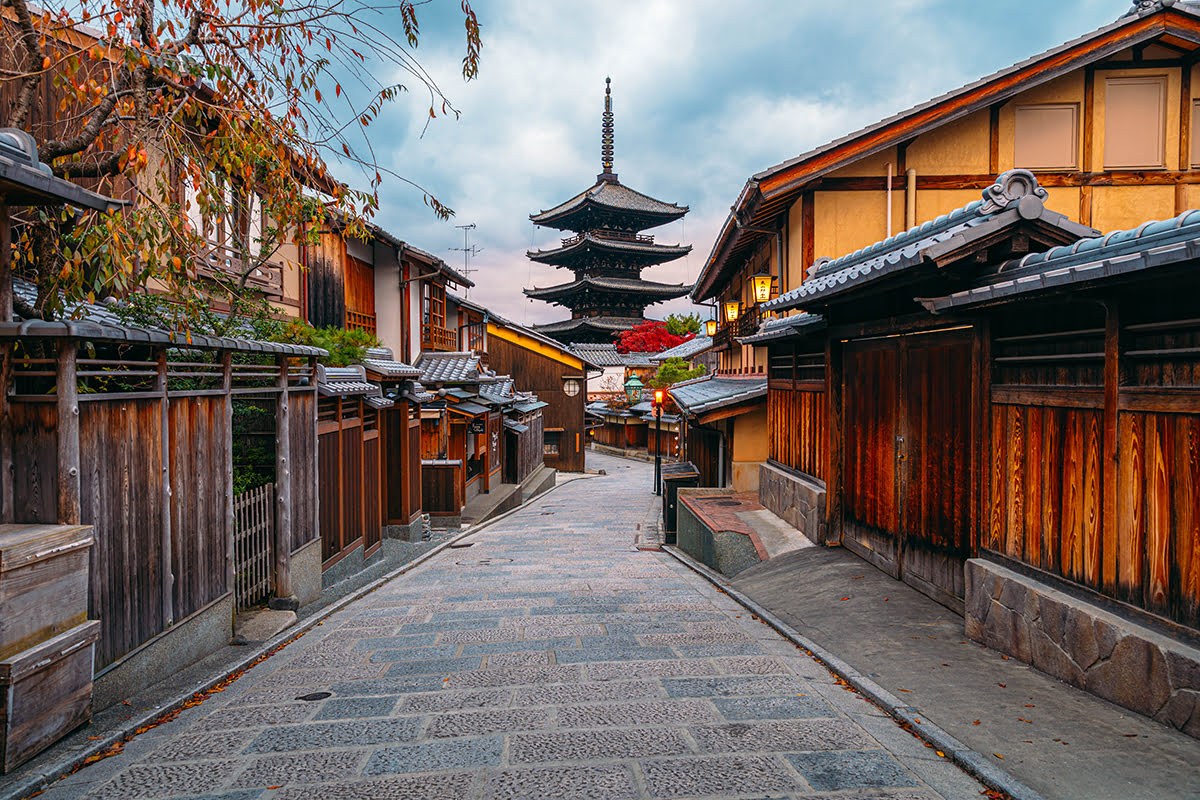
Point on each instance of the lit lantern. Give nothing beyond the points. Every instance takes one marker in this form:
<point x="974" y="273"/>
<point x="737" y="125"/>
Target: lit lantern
<point x="710" y="327"/>
<point x="659" y="396"/>
<point x="762" y="288"/>
<point x="732" y="308"/>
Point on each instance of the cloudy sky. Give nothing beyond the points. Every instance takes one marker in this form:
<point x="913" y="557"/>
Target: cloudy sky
<point x="705" y="93"/>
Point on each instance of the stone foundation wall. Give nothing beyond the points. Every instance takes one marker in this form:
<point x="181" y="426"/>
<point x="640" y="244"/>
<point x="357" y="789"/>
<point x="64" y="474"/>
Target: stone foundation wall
<point x="728" y="552"/>
<point x="1084" y="645"/>
<point x="798" y="502"/>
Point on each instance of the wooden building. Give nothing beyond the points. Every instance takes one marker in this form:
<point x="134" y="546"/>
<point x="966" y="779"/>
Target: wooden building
<point x="1005" y="385"/>
<point x="723" y="428"/>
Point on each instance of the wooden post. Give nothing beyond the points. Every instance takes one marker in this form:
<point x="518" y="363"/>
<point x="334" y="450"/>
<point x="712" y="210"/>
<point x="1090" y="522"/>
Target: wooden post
<point x="315" y="445"/>
<point x="227" y="388"/>
<point x="7" y="497"/>
<point x="981" y="440"/>
<point x="6" y="281"/>
<point x="168" y="583"/>
<point x="68" y="435"/>
<point x="1110" y="471"/>
<point x="284" y="598"/>
<point x="834" y="444"/>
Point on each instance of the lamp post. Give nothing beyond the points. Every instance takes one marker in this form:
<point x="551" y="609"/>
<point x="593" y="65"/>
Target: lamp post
<point x="659" y="396"/>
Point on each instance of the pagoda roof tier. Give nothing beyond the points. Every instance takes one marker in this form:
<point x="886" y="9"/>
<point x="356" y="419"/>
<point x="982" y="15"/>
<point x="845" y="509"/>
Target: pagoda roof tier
<point x="615" y="286"/>
<point x="604" y="325"/>
<point x="611" y="203"/>
<point x="639" y="250"/>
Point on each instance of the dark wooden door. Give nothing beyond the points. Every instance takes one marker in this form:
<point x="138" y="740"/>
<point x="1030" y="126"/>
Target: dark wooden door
<point x="907" y="411"/>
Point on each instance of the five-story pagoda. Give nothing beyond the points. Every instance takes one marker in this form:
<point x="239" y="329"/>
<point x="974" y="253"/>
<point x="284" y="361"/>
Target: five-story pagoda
<point x="607" y="253"/>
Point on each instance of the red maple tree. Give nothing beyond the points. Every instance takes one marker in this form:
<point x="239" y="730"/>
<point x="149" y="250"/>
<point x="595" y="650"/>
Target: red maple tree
<point x="649" y="337"/>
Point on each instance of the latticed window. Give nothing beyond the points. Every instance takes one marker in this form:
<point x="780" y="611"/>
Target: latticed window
<point x="433" y="305"/>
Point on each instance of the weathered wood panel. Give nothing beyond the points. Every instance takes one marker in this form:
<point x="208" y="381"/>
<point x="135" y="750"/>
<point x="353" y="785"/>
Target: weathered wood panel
<point x="303" y="434"/>
<point x="330" y="504"/>
<point x="120" y="455"/>
<point x="353" y="511"/>
<point x="35" y="482"/>
<point x="796" y="422"/>
<point x="441" y="490"/>
<point x="200" y="456"/>
<point x="372" y="516"/>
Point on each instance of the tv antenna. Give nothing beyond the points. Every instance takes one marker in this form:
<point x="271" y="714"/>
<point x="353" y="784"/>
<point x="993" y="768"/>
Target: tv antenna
<point x="467" y="250"/>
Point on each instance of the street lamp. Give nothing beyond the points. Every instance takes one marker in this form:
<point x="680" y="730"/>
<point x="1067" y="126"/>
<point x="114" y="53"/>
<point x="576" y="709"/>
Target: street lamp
<point x="710" y="327"/>
<point x="633" y="388"/>
<point x="761" y="284"/>
<point x="732" y="309"/>
<point x="659" y="396"/>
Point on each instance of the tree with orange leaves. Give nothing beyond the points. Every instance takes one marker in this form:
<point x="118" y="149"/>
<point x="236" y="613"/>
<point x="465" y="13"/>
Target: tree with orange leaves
<point x="203" y="110"/>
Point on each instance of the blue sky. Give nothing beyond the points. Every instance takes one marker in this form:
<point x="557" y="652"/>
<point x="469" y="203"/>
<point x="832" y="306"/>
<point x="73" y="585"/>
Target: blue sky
<point x="706" y="92"/>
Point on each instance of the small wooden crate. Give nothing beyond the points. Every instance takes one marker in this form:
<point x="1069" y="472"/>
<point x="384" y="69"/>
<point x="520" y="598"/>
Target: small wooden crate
<point x="43" y="583"/>
<point x="45" y="693"/>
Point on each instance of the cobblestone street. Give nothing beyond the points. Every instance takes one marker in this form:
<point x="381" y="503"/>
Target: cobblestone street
<point x="545" y="657"/>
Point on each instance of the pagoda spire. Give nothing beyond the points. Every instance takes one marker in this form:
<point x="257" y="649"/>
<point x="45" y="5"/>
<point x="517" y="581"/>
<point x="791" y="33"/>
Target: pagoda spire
<point x="606" y="136"/>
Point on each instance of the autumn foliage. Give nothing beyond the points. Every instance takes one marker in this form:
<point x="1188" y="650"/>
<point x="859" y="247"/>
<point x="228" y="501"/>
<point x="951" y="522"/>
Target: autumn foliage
<point x="651" y="336"/>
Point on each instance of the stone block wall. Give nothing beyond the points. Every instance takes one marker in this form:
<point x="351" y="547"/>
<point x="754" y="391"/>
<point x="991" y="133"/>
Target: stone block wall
<point x="1084" y="645"/>
<point x="798" y="502"/>
<point x="728" y="552"/>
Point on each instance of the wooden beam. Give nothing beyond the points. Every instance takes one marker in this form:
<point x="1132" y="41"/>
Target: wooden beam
<point x="1085" y="205"/>
<point x="227" y="413"/>
<point x="834" y="444"/>
<point x="164" y="415"/>
<point x="285" y="598"/>
<point x="1072" y="179"/>
<point x="994" y="136"/>
<point x="6" y="281"/>
<point x="68" y="434"/>
<point x="7" y="498"/>
<point x="1110" y="508"/>
<point x="980" y="454"/>
<point x="1089" y="113"/>
<point x="808" y="218"/>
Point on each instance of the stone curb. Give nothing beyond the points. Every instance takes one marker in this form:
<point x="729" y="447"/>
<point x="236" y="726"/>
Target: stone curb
<point x="68" y="765"/>
<point x="970" y="760"/>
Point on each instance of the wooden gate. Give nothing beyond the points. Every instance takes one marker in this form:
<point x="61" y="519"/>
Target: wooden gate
<point x="907" y="407"/>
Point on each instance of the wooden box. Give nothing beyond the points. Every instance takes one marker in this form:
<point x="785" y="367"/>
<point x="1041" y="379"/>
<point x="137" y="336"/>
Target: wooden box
<point x="43" y="583"/>
<point x="45" y="693"/>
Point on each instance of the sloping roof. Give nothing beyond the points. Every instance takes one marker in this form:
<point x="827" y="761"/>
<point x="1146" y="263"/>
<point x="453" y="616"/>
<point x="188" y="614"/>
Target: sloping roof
<point x="346" y="382"/>
<point x="468" y="408"/>
<point x="26" y="181"/>
<point x="1014" y="198"/>
<point x="638" y="359"/>
<point x="712" y="393"/>
<point x="685" y="350"/>
<point x="1151" y="245"/>
<point x="600" y="354"/>
<point x="449" y="367"/>
<point x="615" y="196"/>
<point x="524" y="330"/>
<point x="415" y="392"/>
<point x="768" y="193"/>
<point x="530" y="405"/>
<point x="500" y="391"/>
<point x="515" y="426"/>
<point x="632" y="285"/>
<point x="783" y="327"/>
<point x="604" y="324"/>
<point x="650" y="252"/>
<point x="388" y="368"/>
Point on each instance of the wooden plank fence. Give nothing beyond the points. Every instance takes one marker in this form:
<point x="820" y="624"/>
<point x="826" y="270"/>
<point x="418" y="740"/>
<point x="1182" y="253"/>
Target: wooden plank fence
<point x="253" y="537"/>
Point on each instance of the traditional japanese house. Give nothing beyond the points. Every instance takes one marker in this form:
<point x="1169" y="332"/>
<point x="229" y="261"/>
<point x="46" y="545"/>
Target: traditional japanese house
<point x="723" y="428"/>
<point x="998" y="407"/>
<point x="623" y="428"/>
<point x="606" y="254"/>
<point x="609" y="379"/>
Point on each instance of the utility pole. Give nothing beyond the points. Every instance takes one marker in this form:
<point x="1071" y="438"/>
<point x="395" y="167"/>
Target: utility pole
<point x="467" y="250"/>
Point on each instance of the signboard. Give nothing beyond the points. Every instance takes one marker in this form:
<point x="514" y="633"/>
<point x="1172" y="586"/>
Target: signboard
<point x="477" y="426"/>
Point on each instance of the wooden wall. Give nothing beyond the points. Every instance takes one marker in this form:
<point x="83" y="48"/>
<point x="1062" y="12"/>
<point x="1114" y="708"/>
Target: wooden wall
<point x="325" y="287"/>
<point x="349" y="466"/>
<point x="796" y="423"/>
<point x="534" y="372"/>
<point x="303" y="449"/>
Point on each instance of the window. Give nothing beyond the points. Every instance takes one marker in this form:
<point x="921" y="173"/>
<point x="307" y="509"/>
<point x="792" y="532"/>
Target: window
<point x="1047" y="136"/>
<point x="571" y="387"/>
<point x="433" y="304"/>
<point x="550" y="440"/>
<point x="1135" y="119"/>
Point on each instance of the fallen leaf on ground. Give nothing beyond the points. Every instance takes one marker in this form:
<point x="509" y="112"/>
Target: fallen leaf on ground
<point x="976" y="722"/>
<point x="997" y="755"/>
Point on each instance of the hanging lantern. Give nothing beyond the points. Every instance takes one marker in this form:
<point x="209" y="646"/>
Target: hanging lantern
<point x="710" y="327"/>
<point x="762" y="288"/>
<point x="659" y="396"/>
<point x="732" y="308"/>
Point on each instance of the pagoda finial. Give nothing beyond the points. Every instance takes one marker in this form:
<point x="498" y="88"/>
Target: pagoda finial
<point x="606" y="135"/>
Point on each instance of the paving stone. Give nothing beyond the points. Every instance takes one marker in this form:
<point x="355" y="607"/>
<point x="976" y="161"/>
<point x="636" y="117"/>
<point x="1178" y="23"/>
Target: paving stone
<point x="307" y="768"/>
<point x="531" y="748"/>
<point x="711" y="650"/>
<point x="455" y="786"/>
<point x="412" y="683"/>
<point x="439" y="666"/>
<point x="427" y="756"/>
<point x="255" y="717"/>
<point x="653" y="712"/>
<point x="616" y="653"/>
<point x="297" y="678"/>
<point x="488" y="648"/>
<point x="356" y="707"/>
<point x="761" y="707"/>
<point x="452" y="700"/>
<point x="732" y="686"/>
<point x="586" y="693"/>
<point x="513" y="676"/>
<point x="547" y="631"/>
<point x="607" y="781"/>
<point x="328" y="657"/>
<point x="750" y="665"/>
<point x="782" y="735"/>
<point x="649" y="669"/>
<point x="415" y="653"/>
<point x="335" y="734"/>
<point x="687" y="777"/>
<point x="872" y="769"/>
<point x="486" y="635"/>
<point x="201" y="746"/>
<point x="166" y="780"/>
<point x="479" y="723"/>
<point x="396" y="642"/>
<point x="531" y="658"/>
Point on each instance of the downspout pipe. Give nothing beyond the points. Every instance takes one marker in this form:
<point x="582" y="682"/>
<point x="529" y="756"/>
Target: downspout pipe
<point x="910" y="200"/>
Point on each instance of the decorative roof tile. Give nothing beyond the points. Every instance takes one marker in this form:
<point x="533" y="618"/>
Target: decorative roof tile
<point x="614" y="196"/>
<point x="629" y="285"/>
<point x="783" y="327"/>
<point x="650" y="252"/>
<point x="449" y="368"/>
<point x="601" y="354"/>
<point x="603" y="324"/>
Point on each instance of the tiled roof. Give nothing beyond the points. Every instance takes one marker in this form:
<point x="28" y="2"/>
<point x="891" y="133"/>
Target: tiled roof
<point x="530" y="405"/>
<point x="612" y="195"/>
<point x="515" y="426"/>
<point x="98" y="322"/>
<point x="606" y="324"/>
<point x="1150" y="245"/>
<point x="415" y="392"/>
<point x="501" y="391"/>
<point x="1015" y="197"/>
<point x="524" y="330"/>
<point x="468" y="408"/>
<point x="390" y="369"/>
<point x="710" y="393"/>
<point x="783" y="327"/>
<point x="25" y="180"/>
<point x="602" y="355"/>
<point x="638" y="359"/>
<point x="346" y="382"/>
<point x="449" y="367"/>
<point x="631" y="285"/>
<point x="689" y="349"/>
<point x="652" y="253"/>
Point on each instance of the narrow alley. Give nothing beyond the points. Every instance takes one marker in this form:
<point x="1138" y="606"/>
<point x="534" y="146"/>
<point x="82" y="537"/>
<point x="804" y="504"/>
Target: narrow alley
<point x="544" y="657"/>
